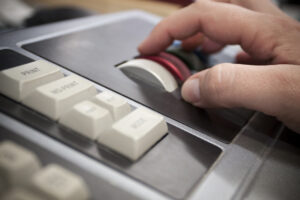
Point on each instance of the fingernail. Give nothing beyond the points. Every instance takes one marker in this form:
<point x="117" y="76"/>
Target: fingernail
<point x="191" y="90"/>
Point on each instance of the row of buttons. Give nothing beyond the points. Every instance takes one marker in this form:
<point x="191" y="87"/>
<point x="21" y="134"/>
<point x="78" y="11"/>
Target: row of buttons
<point x="76" y="103"/>
<point x="22" y="177"/>
<point x="166" y="70"/>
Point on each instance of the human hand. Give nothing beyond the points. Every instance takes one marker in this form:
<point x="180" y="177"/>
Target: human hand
<point x="265" y="34"/>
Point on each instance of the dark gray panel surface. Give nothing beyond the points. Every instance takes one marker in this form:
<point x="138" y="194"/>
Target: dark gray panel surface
<point x="9" y="58"/>
<point x="173" y="166"/>
<point x="93" y="53"/>
<point x="279" y="177"/>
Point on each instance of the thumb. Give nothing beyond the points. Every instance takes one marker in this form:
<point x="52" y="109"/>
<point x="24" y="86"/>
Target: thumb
<point x="269" y="89"/>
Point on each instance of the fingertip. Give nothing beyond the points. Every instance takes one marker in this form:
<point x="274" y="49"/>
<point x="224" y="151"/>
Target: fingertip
<point x="144" y="48"/>
<point x="191" y="90"/>
<point x="141" y="49"/>
<point x="150" y="46"/>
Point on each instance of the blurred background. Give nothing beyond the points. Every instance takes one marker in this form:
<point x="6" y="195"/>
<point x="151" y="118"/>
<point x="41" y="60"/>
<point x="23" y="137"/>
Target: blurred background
<point x="16" y="14"/>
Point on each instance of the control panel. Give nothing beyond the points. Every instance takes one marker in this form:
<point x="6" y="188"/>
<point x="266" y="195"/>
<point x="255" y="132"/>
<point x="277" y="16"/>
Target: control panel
<point x="84" y="116"/>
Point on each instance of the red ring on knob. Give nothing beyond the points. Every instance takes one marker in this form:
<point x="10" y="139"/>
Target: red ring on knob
<point x="168" y="65"/>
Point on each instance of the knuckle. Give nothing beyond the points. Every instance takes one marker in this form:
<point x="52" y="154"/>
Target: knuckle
<point x="283" y="86"/>
<point x="286" y="34"/>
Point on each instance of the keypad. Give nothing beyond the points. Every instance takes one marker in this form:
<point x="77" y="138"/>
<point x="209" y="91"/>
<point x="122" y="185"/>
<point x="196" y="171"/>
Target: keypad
<point x="24" y="178"/>
<point x="76" y="104"/>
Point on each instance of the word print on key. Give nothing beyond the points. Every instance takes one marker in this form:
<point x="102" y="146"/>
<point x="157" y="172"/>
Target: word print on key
<point x="55" y="98"/>
<point x="134" y="134"/>
<point x="18" y="82"/>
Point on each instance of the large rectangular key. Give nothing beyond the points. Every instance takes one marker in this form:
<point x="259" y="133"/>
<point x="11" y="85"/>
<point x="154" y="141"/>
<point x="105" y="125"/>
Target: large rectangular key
<point x="18" y="82"/>
<point x="134" y="134"/>
<point x="57" y="183"/>
<point x="17" y="164"/>
<point x="87" y="119"/>
<point x="55" y="98"/>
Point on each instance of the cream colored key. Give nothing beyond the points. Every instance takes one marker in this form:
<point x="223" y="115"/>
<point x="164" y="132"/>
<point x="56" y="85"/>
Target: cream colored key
<point x="17" y="164"/>
<point x="117" y="105"/>
<point x="21" y="194"/>
<point x="134" y="134"/>
<point x="150" y="72"/>
<point x="20" y="81"/>
<point x="88" y="119"/>
<point x="56" y="183"/>
<point x="55" y="98"/>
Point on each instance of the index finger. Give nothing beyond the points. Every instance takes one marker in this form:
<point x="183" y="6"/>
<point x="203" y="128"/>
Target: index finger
<point x="221" y="22"/>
